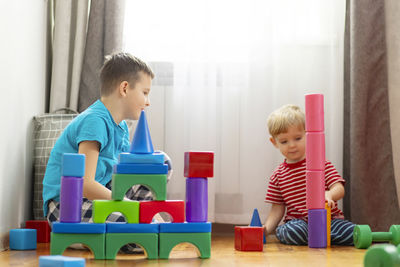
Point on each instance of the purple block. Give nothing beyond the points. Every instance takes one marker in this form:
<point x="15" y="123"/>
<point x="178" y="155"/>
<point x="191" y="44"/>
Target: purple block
<point x="71" y="199"/>
<point x="317" y="228"/>
<point x="196" y="199"/>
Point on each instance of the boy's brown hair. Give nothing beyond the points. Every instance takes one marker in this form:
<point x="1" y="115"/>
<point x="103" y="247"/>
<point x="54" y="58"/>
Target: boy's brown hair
<point x="119" y="67"/>
<point x="281" y="119"/>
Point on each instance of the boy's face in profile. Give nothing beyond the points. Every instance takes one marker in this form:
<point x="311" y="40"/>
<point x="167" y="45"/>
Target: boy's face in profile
<point x="138" y="96"/>
<point x="291" y="144"/>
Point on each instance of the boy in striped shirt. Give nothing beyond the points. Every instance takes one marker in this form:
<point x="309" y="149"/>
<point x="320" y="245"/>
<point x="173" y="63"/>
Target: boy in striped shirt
<point x="287" y="185"/>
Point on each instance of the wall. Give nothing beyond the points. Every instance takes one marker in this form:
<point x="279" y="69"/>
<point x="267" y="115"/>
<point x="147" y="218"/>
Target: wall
<point x="392" y="10"/>
<point x="22" y="88"/>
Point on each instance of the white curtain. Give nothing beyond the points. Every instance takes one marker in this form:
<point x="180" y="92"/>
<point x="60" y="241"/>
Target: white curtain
<point x="221" y="67"/>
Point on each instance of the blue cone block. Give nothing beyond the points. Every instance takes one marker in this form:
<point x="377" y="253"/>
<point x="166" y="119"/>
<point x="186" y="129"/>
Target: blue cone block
<point x="141" y="143"/>
<point x="255" y="221"/>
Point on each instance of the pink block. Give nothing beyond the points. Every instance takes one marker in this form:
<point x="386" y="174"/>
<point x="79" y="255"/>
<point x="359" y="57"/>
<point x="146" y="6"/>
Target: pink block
<point x="315" y="151"/>
<point x="315" y="186"/>
<point x="315" y="113"/>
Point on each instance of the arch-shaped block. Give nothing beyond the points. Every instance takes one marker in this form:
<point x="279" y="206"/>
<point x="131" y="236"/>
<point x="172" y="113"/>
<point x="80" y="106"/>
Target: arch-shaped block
<point x="201" y="240"/>
<point x="96" y="242"/>
<point x="175" y="208"/>
<point x="149" y="242"/>
<point x="103" y="208"/>
<point x="157" y="183"/>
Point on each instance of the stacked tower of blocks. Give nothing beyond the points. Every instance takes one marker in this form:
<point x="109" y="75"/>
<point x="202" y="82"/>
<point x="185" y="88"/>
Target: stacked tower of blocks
<point x="315" y="171"/>
<point x="145" y="167"/>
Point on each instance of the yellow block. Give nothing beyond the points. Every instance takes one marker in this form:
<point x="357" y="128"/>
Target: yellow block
<point x="328" y="225"/>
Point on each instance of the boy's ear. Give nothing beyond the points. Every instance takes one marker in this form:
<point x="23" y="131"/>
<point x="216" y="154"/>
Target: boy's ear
<point x="273" y="141"/>
<point x="123" y="88"/>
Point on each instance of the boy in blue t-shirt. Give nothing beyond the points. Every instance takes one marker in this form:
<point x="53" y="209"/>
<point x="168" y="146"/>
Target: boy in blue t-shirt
<point x="101" y="133"/>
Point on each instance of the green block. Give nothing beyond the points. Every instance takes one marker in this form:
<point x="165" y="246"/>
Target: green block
<point x="96" y="243"/>
<point x="103" y="208"/>
<point x="157" y="183"/>
<point x="201" y="240"/>
<point x="149" y="242"/>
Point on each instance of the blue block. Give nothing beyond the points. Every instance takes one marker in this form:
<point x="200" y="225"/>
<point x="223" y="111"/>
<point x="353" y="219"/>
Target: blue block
<point x="23" y="239"/>
<point x="132" y="228"/>
<point x="141" y="143"/>
<point x="255" y="221"/>
<point x="185" y="227"/>
<point x="124" y="168"/>
<point x="73" y="165"/>
<point x="155" y="158"/>
<point x="79" y="228"/>
<point x="61" y="261"/>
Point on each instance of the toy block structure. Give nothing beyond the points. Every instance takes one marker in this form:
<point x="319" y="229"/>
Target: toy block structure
<point x="42" y="228"/>
<point x="198" y="168"/>
<point x="315" y="171"/>
<point x="73" y="169"/>
<point x="249" y="238"/>
<point x="61" y="261"/>
<point x="145" y="167"/>
<point x="23" y="239"/>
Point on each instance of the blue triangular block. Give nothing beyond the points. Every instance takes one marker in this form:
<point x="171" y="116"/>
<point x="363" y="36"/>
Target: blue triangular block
<point x="255" y="221"/>
<point x="141" y="143"/>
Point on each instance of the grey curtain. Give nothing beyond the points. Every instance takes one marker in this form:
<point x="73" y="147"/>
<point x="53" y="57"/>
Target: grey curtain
<point x="66" y="37"/>
<point x="104" y="37"/>
<point x="371" y="196"/>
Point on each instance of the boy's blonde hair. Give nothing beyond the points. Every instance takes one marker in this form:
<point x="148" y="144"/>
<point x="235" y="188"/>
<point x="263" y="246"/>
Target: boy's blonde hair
<point x="121" y="67"/>
<point x="281" y="119"/>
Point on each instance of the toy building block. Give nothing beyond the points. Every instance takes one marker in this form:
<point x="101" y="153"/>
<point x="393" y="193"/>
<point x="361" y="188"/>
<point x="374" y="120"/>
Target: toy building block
<point x="175" y="208"/>
<point x="199" y="164"/>
<point x="141" y="168"/>
<point x="71" y="193"/>
<point x="314" y="112"/>
<point x="315" y="188"/>
<point x="317" y="228"/>
<point x="96" y="243"/>
<point x="61" y="261"/>
<point x="328" y="225"/>
<point x="255" y="221"/>
<point x="155" y="158"/>
<point x="363" y="237"/>
<point x="43" y="229"/>
<point x="249" y="238"/>
<point x="196" y="199"/>
<point x="315" y="151"/>
<point x="200" y="240"/>
<point x="103" y="208"/>
<point x="79" y="228"/>
<point x="185" y="227"/>
<point x="148" y="241"/>
<point x="23" y="239"/>
<point x="382" y="255"/>
<point x="120" y="227"/>
<point x="73" y="164"/>
<point x="141" y="143"/>
<point x="157" y="183"/>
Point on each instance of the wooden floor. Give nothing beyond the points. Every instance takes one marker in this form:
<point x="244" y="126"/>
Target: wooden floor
<point x="222" y="254"/>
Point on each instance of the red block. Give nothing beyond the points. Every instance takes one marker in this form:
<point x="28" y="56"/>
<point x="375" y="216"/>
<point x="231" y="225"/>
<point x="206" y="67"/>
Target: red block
<point x="175" y="208"/>
<point x="199" y="164"/>
<point x="249" y="238"/>
<point x="42" y="228"/>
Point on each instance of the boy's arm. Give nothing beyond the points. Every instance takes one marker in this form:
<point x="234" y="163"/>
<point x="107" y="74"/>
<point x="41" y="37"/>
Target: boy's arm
<point x="91" y="188"/>
<point x="274" y="217"/>
<point x="335" y="193"/>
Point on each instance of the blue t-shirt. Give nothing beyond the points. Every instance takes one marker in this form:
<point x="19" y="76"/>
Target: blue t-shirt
<point x="94" y="124"/>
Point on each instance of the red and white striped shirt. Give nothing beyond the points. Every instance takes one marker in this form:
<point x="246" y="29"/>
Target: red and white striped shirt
<point x="287" y="186"/>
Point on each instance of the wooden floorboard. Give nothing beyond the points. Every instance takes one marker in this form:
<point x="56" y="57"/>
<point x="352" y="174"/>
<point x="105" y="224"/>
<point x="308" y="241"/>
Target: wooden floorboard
<point x="222" y="254"/>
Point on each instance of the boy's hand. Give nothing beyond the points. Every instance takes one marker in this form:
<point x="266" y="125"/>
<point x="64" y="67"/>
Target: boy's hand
<point x="329" y="200"/>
